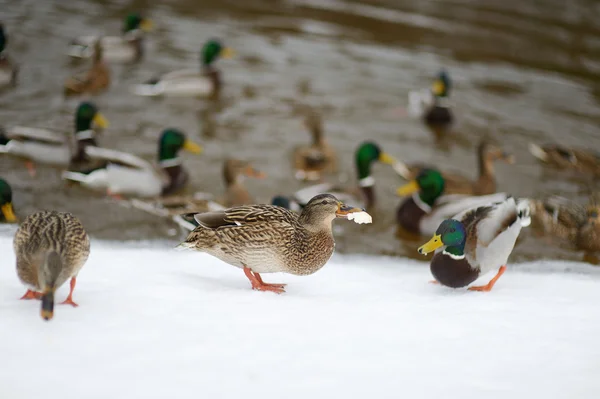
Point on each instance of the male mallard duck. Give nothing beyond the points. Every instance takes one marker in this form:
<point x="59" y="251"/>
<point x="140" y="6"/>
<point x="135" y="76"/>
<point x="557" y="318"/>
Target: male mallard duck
<point x="49" y="147"/>
<point x="366" y="154"/>
<point x="580" y="160"/>
<point x="570" y="221"/>
<point x="7" y="214"/>
<point x="487" y="153"/>
<point x="314" y="160"/>
<point x="127" y="174"/>
<point x="433" y="105"/>
<point x="96" y="79"/>
<point x="270" y="239"/>
<point x="125" y="48"/>
<point x="475" y="242"/>
<point x="427" y="207"/>
<point x="51" y="247"/>
<point x="8" y="71"/>
<point x="190" y="82"/>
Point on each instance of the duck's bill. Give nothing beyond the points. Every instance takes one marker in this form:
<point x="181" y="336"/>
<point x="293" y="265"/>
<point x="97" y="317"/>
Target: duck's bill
<point x="147" y="25"/>
<point x="387" y="159"/>
<point x="100" y="121"/>
<point x="255" y="173"/>
<point x="227" y="52"/>
<point x="431" y="245"/>
<point x="408" y="189"/>
<point x="358" y="215"/>
<point x="438" y="88"/>
<point x="192" y="147"/>
<point x="8" y="212"/>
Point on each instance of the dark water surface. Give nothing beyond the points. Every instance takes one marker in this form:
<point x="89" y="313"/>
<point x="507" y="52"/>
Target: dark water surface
<point x="522" y="72"/>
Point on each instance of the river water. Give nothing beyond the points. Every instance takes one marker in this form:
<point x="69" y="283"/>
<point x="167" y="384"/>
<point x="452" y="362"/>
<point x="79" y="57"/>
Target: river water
<point x="522" y="72"/>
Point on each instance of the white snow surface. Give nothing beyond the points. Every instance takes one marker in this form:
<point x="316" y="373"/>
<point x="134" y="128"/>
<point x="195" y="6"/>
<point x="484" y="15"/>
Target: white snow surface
<point x="156" y="323"/>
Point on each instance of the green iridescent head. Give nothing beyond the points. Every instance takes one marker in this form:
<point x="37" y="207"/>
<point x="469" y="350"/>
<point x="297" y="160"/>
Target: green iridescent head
<point x="6" y="208"/>
<point x="172" y="141"/>
<point x="367" y="153"/>
<point x="3" y="39"/>
<point x="135" y="21"/>
<point x="86" y="115"/>
<point x="429" y="183"/>
<point x="442" y="85"/>
<point x="212" y="50"/>
<point x="452" y="234"/>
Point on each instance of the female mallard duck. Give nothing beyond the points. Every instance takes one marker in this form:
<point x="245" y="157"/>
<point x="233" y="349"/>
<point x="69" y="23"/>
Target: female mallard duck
<point x="93" y="81"/>
<point x="236" y="194"/>
<point x="580" y="160"/>
<point x="126" y="174"/>
<point x="366" y="154"/>
<point x="8" y="71"/>
<point x="569" y="221"/>
<point x="433" y="104"/>
<point x="427" y="207"/>
<point x="487" y="153"/>
<point x="128" y="47"/>
<point x="51" y="247"/>
<point x="314" y="160"/>
<point x="190" y="82"/>
<point x="476" y="241"/>
<point x="270" y="239"/>
<point x="7" y="214"/>
<point x="48" y="147"/>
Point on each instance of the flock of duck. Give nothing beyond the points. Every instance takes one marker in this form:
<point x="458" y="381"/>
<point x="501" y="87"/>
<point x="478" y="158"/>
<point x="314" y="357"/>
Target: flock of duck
<point x="473" y="227"/>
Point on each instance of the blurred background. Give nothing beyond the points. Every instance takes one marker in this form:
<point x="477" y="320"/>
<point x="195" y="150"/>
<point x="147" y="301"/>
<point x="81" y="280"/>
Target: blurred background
<point x="521" y="71"/>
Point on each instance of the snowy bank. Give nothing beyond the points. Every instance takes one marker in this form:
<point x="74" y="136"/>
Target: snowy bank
<point x="155" y="323"/>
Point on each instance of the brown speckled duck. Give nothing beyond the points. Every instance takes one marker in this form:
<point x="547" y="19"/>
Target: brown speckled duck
<point x="487" y="154"/>
<point x="270" y="239"/>
<point x="580" y="160"/>
<point x="313" y="161"/>
<point x="51" y="247"/>
<point x="93" y="81"/>
<point x="569" y="221"/>
<point x="476" y="242"/>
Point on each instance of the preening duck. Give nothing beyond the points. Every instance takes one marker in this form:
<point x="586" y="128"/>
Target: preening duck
<point x="313" y="161"/>
<point x="92" y="81"/>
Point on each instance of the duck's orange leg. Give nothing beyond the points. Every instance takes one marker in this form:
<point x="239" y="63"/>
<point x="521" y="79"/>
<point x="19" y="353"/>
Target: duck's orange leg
<point x="259" y="278"/>
<point x="69" y="300"/>
<point x="31" y="168"/>
<point x="32" y="295"/>
<point x="488" y="287"/>
<point x="259" y="285"/>
<point x="433" y="282"/>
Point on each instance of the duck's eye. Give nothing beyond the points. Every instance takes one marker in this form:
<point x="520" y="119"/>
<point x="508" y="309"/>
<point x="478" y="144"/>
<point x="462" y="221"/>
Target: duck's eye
<point x="324" y="202"/>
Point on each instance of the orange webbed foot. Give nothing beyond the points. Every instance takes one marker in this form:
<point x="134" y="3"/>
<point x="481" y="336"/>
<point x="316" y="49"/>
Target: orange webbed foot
<point x="69" y="301"/>
<point x="434" y="282"/>
<point x="32" y="295"/>
<point x="259" y="285"/>
<point x="488" y="287"/>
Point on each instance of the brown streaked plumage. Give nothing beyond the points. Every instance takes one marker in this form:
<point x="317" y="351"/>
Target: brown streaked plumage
<point x="96" y="79"/>
<point x="269" y="239"/>
<point x="580" y="160"/>
<point x="313" y="161"/>
<point x="51" y="247"/>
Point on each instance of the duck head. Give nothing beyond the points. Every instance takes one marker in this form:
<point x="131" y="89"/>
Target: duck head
<point x="442" y="85"/>
<point x="6" y="209"/>
<point x="322" y="209"/>
<point x="170" y="143"/>
<point x="367" y="154"/>
<point x="135" y="21"/>
<point x="451" y="234"/>
<point x="212" y="51"/>
<point x="429" y="183"/>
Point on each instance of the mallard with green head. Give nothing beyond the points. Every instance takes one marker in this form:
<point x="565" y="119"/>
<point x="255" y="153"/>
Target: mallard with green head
<point x="313" y="161"/>
<point x="475" y="242"/>
<point x="562" y="157"/>
<point x="8" y="71"/>
<point x="366" y="155"/>
<point x="567" y="220"/>
<point x="130" y="175"/>
<point x="427" y="206"/>
<point x="271" y="239"/>
<point x="92" y="81"/>
<point x="7" y="214"/>
<point x="455" y="183"/>
<point x="128" y="47"/>
<point x="206" y="82"/>
<point x="36" y="145"/>
<point x="433" y="105"/>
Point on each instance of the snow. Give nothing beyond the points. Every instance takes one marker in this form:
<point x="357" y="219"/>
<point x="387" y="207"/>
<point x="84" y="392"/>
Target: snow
<point x="155" y="323"/>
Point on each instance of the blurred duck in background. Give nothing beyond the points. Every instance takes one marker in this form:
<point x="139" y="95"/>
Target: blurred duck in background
<point x="567" y="220"/>
<point x="122" y="173"/>
<point x="49" y="147"/>
<point x="8" y="71"/>
<point x="128" y="47"/>
<point x="561" y="157"/>
<point x="7" y="214"/>
<point x="206" y="82"/>
<point x="487" y="154"/>
<point x="433" y="105"/>
<point x="313" y="161"/>
<point x="92" y="81"/>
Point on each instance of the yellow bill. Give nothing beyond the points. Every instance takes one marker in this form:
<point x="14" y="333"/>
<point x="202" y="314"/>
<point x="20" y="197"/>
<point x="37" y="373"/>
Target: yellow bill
<point x="227" y="52"/>
<point x="431" y="245"/>
<point x="100" y="121"/>
<point x="386" y="159"/>
<point x="146" y="25"/>
<point x="438" y="87"/>
<point x="192" y="147"/>
<point x="251" y="172"/>
<point x="408" y="189"/>
<point x="9" y="214"/>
